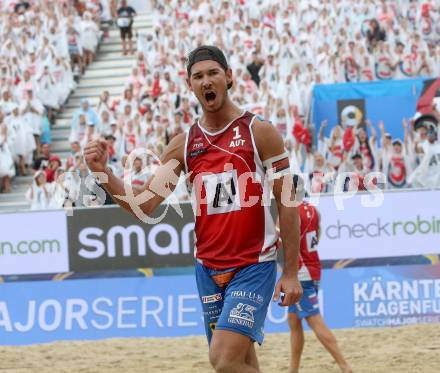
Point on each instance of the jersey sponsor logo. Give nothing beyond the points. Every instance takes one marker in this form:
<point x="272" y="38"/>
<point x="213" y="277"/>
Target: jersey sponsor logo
<point x="242" y="314"/>
<point x="213" y="313"/>
<point x="197" y="152"/>
<point x="212" y="325"/>
<point x="197" y="147"/>
<point x="212" y="298"/>
<point x="222" y="192"/>
<point x="250" y="295"/>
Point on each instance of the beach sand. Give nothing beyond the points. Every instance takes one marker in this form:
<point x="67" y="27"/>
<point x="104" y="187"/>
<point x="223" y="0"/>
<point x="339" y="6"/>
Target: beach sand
<point x="408" y="349"/>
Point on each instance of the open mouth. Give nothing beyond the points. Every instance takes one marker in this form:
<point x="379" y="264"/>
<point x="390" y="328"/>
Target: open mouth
<point x="210" y="96"/>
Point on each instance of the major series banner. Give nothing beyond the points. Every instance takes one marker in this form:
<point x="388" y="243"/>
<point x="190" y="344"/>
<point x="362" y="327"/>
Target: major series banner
<point x="169" y="306"/>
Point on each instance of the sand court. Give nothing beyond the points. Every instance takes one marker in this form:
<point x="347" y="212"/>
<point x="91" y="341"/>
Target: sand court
<point x="407" y="349"/>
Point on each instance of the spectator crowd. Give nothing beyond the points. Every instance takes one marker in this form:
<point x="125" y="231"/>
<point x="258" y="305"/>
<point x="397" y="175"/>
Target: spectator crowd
<point x="277" y="51"/>
<point x="44" y="48"/>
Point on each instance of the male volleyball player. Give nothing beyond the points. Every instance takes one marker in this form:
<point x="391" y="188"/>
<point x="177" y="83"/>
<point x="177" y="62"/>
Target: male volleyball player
<point x="310" y="275"/>
<point x="227" y="154"/>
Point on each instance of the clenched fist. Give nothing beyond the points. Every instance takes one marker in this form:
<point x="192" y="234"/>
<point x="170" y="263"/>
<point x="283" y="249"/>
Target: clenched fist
<point x="95" y="155"/>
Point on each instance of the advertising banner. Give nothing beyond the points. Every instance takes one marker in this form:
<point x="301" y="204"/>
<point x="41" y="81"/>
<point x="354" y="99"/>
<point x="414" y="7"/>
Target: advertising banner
<point x="382" y="296"/>
<point x="392" y="224"/>
<point x="351" y="103"/>
<point x="169" y="306"/>
<point x="383" y="225"/>
<point x="33" y="242"/>
<point x="112" y="239"/>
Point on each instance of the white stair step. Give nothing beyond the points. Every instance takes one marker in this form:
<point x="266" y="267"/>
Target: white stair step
<point x="60" y="146"/>
<point x="100" y="82"/>
<point x="148" y="16"/>
<point x="61" y="123"/>
<point x="139" y="23"/>
<point x="105" y="48"/>
<point x="22" y="180"/>
<point x="112" y="73"/>
<point x="74" y="104"/>
<point x="11" y="197"/>
<point x="60" y="136"/>
<point x="65" y="116"/>
<point x="110" y="48"/>
<point x="107" y="40"/>
<point x="14" y="206"/>
<point x="115" y="56"/>
<point x="19" y="189"/>
<point x="116" y="39"/>
<point x="64" y="119"/>
<point x="115" y="33"/>
<point x="60" y="128"/>
<point x="122" y="62"/>
<point x="87" y="92"/>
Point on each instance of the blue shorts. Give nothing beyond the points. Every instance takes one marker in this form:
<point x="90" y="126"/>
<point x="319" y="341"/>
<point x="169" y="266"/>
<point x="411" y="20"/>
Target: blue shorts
<point x="242" y="305"/>
<point x="308" y="305"/>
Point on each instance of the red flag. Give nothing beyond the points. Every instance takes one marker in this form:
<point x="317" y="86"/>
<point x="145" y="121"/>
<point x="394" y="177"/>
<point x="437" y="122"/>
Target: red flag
<point x="301" y="134"/>
<point x="348" y="139"/>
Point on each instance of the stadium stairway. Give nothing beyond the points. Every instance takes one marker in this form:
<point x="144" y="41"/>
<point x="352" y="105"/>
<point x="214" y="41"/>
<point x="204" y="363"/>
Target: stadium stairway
<point x="109" y="71"/>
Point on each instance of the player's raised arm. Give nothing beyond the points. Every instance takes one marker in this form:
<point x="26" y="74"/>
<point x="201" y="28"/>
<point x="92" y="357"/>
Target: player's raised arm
<point x="157" y="188"/>
<point x="276" y="161"/>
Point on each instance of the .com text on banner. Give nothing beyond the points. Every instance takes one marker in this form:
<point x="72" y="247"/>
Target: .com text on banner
<point x="33" y="242"/>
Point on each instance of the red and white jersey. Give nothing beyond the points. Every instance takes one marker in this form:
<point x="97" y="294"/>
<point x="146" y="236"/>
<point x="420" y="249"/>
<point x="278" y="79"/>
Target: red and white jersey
<point x="308" y="261"/>
<point x="231" y="200"/>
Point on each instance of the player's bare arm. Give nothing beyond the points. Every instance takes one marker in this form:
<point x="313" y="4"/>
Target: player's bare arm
<point x="157" y="188"/>
<point x="271" y="149"/>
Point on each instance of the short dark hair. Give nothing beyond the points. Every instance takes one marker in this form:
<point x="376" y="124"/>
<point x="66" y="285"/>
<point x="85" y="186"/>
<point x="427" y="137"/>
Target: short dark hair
<point x="204" y="53"/>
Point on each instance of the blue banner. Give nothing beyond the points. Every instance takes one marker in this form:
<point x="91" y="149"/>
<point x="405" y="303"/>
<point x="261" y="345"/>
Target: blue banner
<point x="168" y="306"/>
<point x="390" y="101"/>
